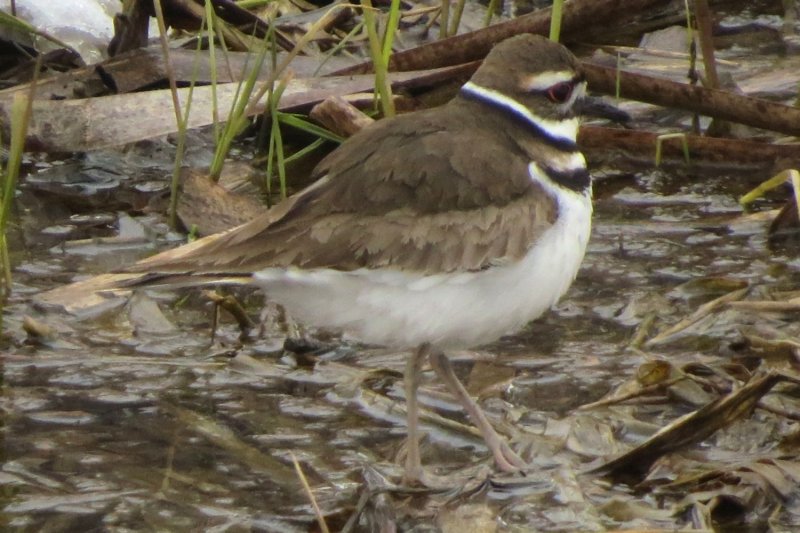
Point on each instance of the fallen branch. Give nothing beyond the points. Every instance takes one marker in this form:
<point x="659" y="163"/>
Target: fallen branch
<point x="607" y="144"/>
<point x="690" y="429"/>
<point x="712" y="102"/>
<point x="95" y="123"/>
<point x="577" y="16"/>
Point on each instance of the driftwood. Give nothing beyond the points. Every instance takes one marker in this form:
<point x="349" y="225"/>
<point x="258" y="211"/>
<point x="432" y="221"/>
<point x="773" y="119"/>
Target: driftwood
<point x="692" y="428"/>
<point x="84" y="121"/>
<point x="146" y="67"/>
<point x="611" y="144"/>
<point x="713" y="102"/>
<point x="577" y="16"/>
<point x="93" y="123"/>
<point x="340" y="116"/>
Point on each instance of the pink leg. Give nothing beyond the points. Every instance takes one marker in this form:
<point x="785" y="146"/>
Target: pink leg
<point x="413" y="473"/>
<point x="504" y="456"/>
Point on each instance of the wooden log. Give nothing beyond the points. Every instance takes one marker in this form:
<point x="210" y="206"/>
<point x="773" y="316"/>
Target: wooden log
<point x="712" y="102"/>
<point x="94" y="123"/>
<point x="577" y="16"/>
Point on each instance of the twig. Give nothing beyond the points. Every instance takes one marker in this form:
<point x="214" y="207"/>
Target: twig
<point x="307" y="488"/>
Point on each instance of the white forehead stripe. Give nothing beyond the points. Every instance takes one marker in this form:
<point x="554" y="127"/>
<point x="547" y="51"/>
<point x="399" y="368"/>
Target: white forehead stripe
<point x="565" y="130"/>
<point x="545" y="80"/>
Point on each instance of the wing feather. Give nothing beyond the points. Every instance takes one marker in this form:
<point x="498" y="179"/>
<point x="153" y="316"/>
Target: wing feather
<point x="425" y="206"/>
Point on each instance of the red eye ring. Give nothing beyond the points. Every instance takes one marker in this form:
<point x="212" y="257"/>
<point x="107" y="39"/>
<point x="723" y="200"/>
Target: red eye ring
<point x="560" y="92"/>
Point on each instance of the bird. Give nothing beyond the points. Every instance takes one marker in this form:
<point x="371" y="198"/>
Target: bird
<point x="432" y="231"/>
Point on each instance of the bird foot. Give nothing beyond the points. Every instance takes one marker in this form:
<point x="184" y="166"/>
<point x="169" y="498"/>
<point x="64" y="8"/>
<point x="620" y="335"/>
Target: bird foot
<point x="426" y="480"/>
<point x="507" y="459"/>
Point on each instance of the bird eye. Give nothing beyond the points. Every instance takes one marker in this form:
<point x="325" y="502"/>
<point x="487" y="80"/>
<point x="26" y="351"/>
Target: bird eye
<point x="560" y="92"/>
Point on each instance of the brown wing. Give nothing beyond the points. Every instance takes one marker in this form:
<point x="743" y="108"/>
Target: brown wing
<point x="421" y="206"/>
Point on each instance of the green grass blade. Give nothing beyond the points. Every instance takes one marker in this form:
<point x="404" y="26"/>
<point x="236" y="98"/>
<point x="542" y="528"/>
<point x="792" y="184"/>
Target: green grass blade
<point x="237" y="119"/>
<point x="252" y="4"/>
<point x="444" y="19"/>
<point x="775" y="181"/>
<point x="391" y="30"/>
<point x="305" y="151"/>
<point x="340" y="45"/>
<point x="382" y="85"/>
<point x="276" y="152"/>
<point x="211" y="16"/>
<point x="555" y="20"/>
<point x="21" y="111"/>
<point x="490" y="9"/>
<point x="296" y="121"/>
<point x="180" y="149"/>
<point x="456" y="19"/>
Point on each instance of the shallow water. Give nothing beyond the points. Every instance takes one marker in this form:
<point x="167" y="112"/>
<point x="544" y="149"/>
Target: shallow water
<point x="120" y="425"/>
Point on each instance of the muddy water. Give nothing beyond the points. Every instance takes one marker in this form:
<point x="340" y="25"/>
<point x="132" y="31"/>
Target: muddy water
<point x="115" y="425"/>
<point x="124" y="420"/>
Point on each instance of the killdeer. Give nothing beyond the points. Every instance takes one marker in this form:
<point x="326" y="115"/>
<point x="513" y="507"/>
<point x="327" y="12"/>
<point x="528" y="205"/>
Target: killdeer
<point x="436" y="230"/>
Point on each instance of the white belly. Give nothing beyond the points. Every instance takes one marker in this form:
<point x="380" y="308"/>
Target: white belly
<point x="447" y="310"/>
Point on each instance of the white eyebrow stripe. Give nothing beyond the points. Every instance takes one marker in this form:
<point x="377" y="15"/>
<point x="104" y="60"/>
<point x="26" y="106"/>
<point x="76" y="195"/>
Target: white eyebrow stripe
<point x="545" y="80"/>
